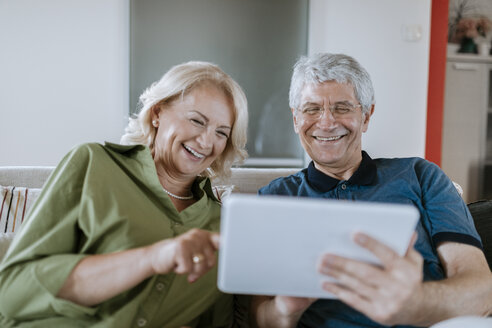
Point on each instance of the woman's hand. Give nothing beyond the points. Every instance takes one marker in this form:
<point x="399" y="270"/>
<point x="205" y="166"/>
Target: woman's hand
<point x="191" y="253"/>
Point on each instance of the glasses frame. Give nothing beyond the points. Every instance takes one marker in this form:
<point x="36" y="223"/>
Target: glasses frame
<point x="331" y="108"/>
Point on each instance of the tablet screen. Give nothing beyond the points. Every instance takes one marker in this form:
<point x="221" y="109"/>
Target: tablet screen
<point x="271" y="245"/>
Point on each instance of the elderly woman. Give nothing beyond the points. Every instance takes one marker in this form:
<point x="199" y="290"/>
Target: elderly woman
<point x="125" y="235"/>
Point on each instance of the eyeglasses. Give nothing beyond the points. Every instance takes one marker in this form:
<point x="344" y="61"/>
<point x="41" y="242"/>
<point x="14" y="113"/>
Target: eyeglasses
<point x="341" y="110"/>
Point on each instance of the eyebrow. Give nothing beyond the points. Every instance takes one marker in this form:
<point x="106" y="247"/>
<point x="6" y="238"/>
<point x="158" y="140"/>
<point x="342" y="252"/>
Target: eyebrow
<point x="345" y="102"/>
<point x="310" y="104"/>
<point x="207" y="120"/>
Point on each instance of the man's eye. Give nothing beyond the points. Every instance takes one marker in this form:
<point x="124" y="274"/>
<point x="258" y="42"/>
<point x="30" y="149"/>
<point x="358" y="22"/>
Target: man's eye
<point x="311" y="111"/>
<point x="342" y="108"/>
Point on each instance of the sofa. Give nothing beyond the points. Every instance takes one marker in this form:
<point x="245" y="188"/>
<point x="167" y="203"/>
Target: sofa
<point x="21" y="185"/>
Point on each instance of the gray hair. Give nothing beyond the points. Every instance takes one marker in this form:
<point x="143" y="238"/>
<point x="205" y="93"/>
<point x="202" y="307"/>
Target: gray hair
<point x="324" y="67"/>
<point x="177" y="82"/>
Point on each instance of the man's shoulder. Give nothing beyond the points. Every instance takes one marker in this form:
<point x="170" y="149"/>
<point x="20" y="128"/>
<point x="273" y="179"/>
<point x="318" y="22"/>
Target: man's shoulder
<point x="416" y="164"/>
<point x="284" y="185"/>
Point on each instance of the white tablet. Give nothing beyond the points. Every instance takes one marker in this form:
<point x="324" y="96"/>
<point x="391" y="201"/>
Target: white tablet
<point x="271" y="245"/>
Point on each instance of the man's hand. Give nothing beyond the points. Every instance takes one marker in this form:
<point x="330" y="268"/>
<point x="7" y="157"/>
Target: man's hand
<point x="388" y="294"/>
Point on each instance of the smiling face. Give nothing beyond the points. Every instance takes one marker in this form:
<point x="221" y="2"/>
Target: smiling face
<point x="334" y="144"/>
<point x="192" y="131"/>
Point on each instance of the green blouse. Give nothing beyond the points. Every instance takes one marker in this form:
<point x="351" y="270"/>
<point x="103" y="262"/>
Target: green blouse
<point x="103" y="199"/>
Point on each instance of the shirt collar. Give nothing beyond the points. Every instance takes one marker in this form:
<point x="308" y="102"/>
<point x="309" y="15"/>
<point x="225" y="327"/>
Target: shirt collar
<point x="122" y="148"/>
<point x="201" y="183"/>
<point x="364" y="175"/>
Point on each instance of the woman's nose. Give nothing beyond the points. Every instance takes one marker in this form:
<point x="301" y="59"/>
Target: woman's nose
<point x="205" y="139"/>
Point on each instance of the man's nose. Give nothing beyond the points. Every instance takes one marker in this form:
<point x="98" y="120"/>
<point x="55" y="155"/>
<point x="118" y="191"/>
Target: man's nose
<point x="326" y="117"/>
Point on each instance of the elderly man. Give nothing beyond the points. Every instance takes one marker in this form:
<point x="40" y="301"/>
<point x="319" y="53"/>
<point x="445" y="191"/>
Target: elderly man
<point x="444" y="272"/>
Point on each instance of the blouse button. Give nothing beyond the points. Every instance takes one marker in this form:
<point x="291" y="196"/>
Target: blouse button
<point x="141" y="322"/>
<point x="159" y="286"/>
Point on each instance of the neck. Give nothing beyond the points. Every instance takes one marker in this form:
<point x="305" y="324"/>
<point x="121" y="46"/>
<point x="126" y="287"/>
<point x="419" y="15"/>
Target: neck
<point x="340" y="172"/>
<point x="177" y="184"/>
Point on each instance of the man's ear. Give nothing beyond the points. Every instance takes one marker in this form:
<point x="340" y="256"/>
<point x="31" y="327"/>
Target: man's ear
<point x="367" y="118"/>
<point x="294" y="120"/>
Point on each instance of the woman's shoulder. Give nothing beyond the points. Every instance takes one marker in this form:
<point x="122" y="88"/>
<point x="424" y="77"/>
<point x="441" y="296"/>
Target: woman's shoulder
<point x="95" y="151"/>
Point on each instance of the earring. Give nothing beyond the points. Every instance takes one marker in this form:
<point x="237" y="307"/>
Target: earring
<point x="155" y="123"/>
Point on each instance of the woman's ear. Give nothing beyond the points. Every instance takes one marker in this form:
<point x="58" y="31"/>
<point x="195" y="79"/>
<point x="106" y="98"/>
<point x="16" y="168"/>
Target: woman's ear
<point x="154" y="115"/>
<point x="155" y="110"/>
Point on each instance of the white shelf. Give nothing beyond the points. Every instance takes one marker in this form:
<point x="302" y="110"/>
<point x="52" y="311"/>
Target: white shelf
<point x="469" y="58"/>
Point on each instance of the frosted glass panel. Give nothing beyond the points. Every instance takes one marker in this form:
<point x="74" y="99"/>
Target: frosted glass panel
<point x="254" y="41"/>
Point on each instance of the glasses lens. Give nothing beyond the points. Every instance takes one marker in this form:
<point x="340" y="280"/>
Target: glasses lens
<point x="337" y="110"/>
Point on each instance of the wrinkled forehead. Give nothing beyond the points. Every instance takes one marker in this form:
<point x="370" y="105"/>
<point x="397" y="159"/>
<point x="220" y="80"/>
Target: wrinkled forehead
<point x="327" y="92"/>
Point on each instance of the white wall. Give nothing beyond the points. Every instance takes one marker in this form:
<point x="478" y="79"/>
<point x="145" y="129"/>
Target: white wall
<point x="63" y="76"/>
<point x="374" y="32"/>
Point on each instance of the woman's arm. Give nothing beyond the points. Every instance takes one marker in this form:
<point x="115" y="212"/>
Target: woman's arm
<point x="100" y="277"/>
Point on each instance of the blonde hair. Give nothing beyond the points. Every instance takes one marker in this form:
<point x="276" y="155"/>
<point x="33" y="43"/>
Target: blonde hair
<point x="178" y="81"/>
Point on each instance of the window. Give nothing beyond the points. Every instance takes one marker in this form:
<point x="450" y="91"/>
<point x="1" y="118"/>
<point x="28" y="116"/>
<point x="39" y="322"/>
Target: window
<point x="255" y="41"/>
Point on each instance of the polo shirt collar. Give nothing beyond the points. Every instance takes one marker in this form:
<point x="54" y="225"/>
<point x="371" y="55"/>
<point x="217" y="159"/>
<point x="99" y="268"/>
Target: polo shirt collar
<point x="364" y="175"/>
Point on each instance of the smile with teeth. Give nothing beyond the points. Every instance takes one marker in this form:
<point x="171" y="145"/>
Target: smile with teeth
<point x="193" y="152"/>
<point x="328" y="138"/>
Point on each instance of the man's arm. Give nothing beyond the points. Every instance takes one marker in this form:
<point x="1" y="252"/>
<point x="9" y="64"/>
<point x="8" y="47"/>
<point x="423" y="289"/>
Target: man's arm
<point x="278" y="311"/>
<point x="394" y="292"/>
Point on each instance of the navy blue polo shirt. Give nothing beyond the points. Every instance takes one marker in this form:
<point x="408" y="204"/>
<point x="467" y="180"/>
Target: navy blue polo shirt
<point x="444" y="216"/>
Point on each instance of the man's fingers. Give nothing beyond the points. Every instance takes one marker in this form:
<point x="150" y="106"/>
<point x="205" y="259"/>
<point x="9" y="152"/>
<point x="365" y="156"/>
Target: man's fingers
<point x="412" y="242"/>
<point x="385" y="254"/>
<point x="349" y="297"/>
<point x="338" y="267"/>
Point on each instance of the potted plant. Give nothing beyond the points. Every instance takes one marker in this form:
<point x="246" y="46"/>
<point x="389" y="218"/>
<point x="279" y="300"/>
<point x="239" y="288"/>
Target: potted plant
<point x="466" y="28"/>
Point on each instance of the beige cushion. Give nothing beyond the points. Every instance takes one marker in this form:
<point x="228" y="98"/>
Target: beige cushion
<point x="15" y="203"/>
<point x="222" y="192"/>
<point x="26" y="176"/>
<point x="250" y="180"/>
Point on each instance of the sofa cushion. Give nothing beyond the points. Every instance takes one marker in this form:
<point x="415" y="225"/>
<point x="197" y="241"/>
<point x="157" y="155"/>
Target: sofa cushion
<point x="15" y="203"/>
<point x="223" y="191"/>
<point x="481" y="212"/>
<point x="249" y="180"/>
<point x="26" y="176"/>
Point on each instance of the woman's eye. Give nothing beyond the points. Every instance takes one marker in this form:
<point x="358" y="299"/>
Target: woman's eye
<point x="222" y="134"/>
<point x="197" y="122"/>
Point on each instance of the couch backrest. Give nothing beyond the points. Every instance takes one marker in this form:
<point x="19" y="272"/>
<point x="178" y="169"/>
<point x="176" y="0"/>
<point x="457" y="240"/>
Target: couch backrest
<point x="24" y="176"/>
<point x="244" y="180"/>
